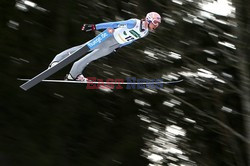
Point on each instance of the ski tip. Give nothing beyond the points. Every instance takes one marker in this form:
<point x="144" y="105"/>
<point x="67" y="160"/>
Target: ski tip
<point x="23" y="88"/>
<point x="23" y="85"/>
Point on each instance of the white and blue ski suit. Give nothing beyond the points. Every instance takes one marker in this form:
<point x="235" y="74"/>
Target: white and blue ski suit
<point x="125" y="32"/>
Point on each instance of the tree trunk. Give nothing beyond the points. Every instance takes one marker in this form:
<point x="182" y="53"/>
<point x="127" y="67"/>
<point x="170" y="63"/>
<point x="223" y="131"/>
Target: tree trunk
<point x="243" y="21"/>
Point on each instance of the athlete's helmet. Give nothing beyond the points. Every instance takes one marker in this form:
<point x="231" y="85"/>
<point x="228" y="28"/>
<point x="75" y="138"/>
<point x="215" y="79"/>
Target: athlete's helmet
<point x="153" y="18"/>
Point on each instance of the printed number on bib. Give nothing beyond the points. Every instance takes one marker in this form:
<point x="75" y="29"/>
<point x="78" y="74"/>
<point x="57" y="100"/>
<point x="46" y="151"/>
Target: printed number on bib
<point x="134" y="35"/>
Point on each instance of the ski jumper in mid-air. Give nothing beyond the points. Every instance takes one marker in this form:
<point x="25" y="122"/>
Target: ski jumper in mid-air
<point x="125" y="32"/>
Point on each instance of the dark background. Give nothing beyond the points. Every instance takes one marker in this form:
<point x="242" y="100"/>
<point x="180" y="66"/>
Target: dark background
<point x="65" y="124"/>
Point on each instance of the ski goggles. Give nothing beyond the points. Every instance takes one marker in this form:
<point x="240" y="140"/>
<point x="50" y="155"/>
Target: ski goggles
<point x="155" y="22"/>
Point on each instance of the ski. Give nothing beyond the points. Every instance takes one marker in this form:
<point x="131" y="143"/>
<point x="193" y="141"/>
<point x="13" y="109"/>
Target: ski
<point x="106" y="83"/>
<point x="76" y="55"/>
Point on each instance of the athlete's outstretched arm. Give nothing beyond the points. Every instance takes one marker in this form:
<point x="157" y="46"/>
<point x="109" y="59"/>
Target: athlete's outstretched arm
<point x="92" y="27"/>
<point x="129" y="23"/>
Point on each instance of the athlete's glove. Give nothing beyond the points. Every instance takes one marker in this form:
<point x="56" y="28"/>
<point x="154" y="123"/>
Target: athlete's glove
<point x="88" y="27"/>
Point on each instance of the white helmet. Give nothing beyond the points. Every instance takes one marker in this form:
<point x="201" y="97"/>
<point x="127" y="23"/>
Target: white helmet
<point x="153" y="18"/>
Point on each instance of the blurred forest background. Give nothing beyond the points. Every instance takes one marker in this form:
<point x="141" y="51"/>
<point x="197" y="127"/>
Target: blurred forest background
<point x="203" y="120"/>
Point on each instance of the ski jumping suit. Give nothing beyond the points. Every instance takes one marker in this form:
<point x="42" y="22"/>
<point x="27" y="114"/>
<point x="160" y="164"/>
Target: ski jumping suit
<point x="125" y="32"/>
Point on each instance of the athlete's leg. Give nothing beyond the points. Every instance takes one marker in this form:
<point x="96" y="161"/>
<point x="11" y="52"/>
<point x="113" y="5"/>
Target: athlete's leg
<point x="79" y="66"/>
<point x="102" y="50"/>
<point x="64" y="54"/>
